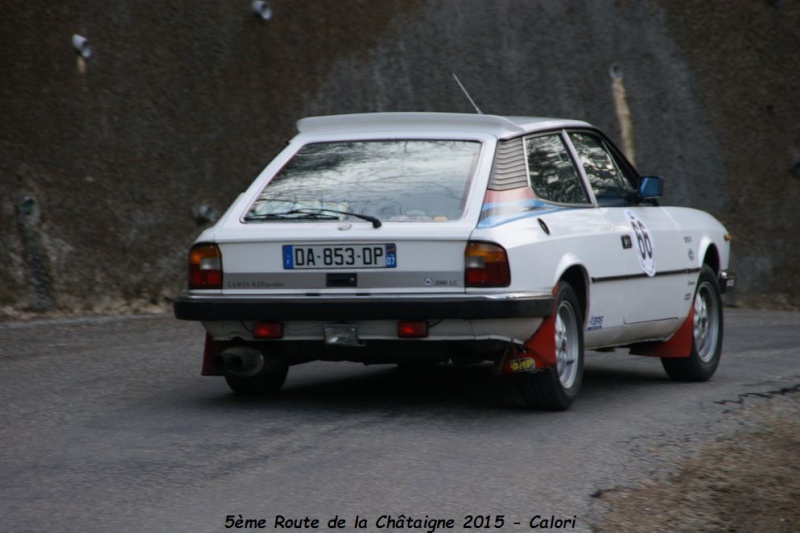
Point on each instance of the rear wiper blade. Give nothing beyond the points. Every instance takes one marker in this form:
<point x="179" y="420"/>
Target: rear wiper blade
<point x="314" y="214"/>
<point x="291" y="215"/>
<point x="376" y="222"/>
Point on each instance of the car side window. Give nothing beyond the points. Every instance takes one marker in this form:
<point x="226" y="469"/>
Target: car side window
<point x="551" y="172"/>
<point x="605" y="178"/>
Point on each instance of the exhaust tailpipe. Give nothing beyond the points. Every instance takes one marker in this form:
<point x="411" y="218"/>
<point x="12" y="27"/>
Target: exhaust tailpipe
<point x="241" y="361"/>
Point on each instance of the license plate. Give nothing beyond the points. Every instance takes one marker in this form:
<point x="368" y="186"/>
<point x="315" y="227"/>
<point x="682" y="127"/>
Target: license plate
<point x="342" y="335"/>
<point x="299" y="256"/>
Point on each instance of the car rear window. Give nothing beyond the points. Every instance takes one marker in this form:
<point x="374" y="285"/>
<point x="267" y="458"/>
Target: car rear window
<point x="392" y="180"/>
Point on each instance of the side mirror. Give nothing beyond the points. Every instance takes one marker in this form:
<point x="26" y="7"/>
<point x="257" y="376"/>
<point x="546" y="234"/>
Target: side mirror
<point x="651" y="187"/>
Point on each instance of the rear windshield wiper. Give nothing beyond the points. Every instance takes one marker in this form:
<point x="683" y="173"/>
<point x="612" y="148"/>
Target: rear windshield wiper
<point x="290" y="215"/>
<point x="376" y="223"/>
<point x="312" y="213"/>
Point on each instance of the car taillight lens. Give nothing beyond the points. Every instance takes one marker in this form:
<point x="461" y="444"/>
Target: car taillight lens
<point x="268" y="330"/>
<point x="486" y="265"/>
<point x="413" y="329"/>
<point x="205" y="267"/>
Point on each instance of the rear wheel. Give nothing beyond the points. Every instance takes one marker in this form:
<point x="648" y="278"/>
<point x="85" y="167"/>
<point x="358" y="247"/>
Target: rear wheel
<point x="267" y="382"/>
<point x="706" y="333"/>
<point x="556" y="388"/>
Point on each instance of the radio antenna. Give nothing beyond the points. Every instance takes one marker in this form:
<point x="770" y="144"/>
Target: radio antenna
<point x="471" y="101"/>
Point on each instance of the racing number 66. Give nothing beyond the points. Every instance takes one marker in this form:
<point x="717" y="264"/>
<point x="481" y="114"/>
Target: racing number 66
<point x="644" y="242"/>
<point x="643" y="239"/>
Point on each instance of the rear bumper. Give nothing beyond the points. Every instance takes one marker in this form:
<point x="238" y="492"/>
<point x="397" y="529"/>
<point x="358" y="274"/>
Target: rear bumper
<point x="465" y="307"/>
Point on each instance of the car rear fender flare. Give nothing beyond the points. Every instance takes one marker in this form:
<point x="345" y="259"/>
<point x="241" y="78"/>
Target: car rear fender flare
<point x="571" y="270"/>
<point x="541" y="345"/>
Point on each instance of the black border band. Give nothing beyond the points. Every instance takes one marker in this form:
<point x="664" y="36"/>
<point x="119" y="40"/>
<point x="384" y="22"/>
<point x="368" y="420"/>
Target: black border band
<point x="212" y="308"/>
<point x="682" y="272"/>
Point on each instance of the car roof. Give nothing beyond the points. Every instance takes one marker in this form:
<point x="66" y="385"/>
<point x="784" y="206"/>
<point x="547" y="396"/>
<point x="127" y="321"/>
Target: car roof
<point x="500" y="126"/>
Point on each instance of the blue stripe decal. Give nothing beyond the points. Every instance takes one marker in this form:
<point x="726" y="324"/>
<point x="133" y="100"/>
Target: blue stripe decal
<point x="498" y="213"/>
<point x="531" y="202"/>
<point x="498" y="220"/>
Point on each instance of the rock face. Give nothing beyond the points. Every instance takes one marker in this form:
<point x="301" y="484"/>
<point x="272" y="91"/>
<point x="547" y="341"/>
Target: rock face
<point x="106" y="160"/>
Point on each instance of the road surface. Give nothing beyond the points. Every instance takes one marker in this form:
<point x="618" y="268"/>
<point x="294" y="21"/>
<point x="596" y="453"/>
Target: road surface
<point x="107" y="425"/>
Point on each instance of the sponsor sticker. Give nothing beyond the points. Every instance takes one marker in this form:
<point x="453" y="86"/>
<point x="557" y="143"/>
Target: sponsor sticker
<point x="595" y="323"/>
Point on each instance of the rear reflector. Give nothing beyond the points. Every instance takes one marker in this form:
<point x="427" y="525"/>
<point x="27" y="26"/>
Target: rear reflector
<point x="412" y="329"/>
<point x="267" y="330"/>
<point x="205" y="267"/>
<point x="486" y="265"/>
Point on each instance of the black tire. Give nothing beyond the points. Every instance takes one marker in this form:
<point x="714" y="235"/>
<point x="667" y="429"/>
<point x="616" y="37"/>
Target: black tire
<point x="556" y="389"/>
<point x="706" y="333"/>
<point x="267" y="382"/>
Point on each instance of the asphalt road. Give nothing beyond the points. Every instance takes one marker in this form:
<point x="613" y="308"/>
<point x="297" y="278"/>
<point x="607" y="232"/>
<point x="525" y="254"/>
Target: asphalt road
<point x="106" y="425"/>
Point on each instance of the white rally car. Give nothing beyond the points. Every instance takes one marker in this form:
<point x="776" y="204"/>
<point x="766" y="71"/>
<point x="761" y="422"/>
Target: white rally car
<point x="416" y="238"/>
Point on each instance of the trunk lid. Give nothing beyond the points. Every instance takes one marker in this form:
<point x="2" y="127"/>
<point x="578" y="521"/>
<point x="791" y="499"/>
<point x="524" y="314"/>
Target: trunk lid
<point x="318" y="258"/>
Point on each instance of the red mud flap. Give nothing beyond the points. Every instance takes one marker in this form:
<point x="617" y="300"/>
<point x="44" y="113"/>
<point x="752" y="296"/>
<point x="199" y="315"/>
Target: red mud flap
<point x="538" y="353"/>
<point x="679" y="345"/>
<point x="211" y="349"/>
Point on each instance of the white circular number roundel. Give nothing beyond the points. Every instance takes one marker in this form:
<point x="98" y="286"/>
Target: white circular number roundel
<point x="644" y="243"/>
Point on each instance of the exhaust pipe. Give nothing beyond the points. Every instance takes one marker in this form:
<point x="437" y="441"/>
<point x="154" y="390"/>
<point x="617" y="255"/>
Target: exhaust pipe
<point x="240" y="361"/>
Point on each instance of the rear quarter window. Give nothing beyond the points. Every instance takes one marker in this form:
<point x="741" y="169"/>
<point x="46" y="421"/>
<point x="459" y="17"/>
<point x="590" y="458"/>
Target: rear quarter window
<point x="552" y="174"/>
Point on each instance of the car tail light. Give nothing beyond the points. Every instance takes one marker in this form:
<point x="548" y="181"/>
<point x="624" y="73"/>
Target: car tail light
<point x="486" y="265"/>
<point x="205" y="267"/>
<point x="267" y="330"/>
<point x="412" y="329"/>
